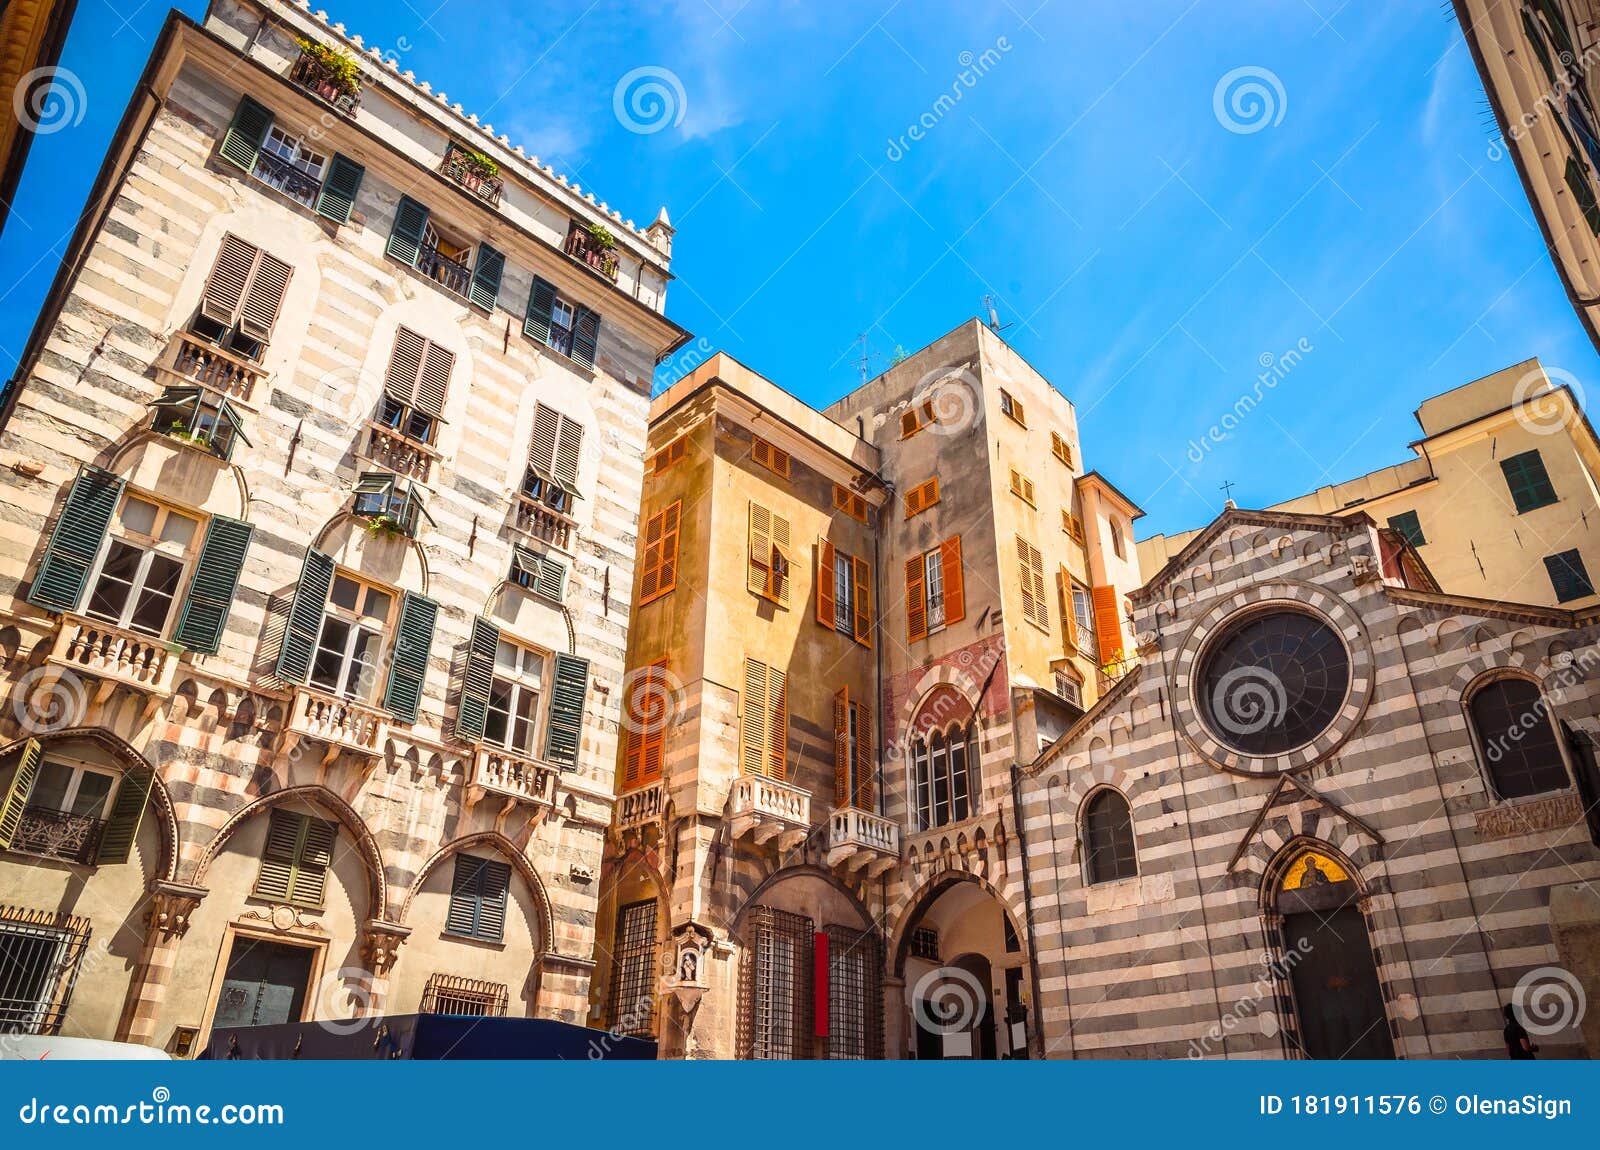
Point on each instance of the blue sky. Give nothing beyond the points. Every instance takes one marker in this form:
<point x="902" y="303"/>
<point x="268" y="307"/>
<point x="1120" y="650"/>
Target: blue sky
<point x="1150" y="259"/>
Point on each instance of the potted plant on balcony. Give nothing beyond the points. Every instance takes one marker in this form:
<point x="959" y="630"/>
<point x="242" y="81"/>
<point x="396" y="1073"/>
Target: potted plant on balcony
<point x="604" y="245"/>
<point x="181" y="432"/>
<point x="472" y="170"/>
<point x="384" y="526"/>
<point x="333" y="73"/>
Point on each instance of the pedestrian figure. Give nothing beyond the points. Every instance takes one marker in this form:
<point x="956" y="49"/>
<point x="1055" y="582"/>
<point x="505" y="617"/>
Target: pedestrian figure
<point x="1518" y="1045"/>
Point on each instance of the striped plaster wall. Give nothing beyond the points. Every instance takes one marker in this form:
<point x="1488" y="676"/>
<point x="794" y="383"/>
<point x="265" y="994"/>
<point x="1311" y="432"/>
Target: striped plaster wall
<point x="1171" y="964"/>
<point x="217" y="741"/>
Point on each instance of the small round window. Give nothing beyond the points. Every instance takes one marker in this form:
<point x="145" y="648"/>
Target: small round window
<point x="1273" y="682"/>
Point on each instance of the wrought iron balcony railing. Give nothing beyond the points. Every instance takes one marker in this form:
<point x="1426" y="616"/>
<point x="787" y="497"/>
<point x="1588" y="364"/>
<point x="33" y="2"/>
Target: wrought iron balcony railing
<point x="58" y="835"/>
<point x="282" y="176"/>
<point x="451" y="274"/>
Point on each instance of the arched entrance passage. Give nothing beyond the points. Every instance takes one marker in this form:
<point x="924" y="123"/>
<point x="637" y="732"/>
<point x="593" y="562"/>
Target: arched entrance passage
<point x="965" y="976"/>
<point x="1326" y="957"/>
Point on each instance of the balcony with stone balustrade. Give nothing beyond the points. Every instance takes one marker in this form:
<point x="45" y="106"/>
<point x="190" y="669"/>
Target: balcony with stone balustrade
<point x="496" y="772"/>
<point x="861" y="843"/>
<point x="765" y="809"/>
<point x="115" y="655"/>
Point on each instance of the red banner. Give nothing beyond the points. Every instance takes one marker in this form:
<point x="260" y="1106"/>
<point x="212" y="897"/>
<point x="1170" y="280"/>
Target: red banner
<point x="819" y="983"/>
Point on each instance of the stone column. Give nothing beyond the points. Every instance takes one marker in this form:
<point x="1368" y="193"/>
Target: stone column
<point x="894" y="1017"/>
<point x="380" y="946"/>
<point x="170" y="906"/>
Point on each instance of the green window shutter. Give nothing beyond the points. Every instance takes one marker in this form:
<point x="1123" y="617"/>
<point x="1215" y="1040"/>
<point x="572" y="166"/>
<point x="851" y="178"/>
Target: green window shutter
<point x="1568" y="576"/>
<point x="216" y="578"/>
<point x="473" y="707"/>
<point x="312" y="860"/>
<point x="19" y="790"/>
<point x="242" y="142"/>
<point x="585" y="335"/>
<point x="540" y="300"/>
<point x="1528" y="481"/>
<point x="75" y="541"/>
<point x="304" y="623"/>
<point x="486" y="273"/>
<point x="478" y="892"/>
<point x="409" y="666"/>
<point x="552" y="579"/>
<point x="285" y="831"/>
<point x="338" y="196"/>
<point x="122" y="828"/>
<point x="567" y="697"/>
<point x="405" y="241"/>
<point x="1409" y="527"/>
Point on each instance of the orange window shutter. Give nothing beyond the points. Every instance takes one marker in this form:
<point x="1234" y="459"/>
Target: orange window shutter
<point x="650" y="578"/>
<point x="761" y="452"/>
<point x="955" y="595"/>
<point x="861" y="574"/>
<point x="753" y="720"/>
<point x="778" y="723"/>
<point x="632" y="759"/>
<point x="667" y="577"/>
<point x="1107" y="627"/>
<point x="909" y="425"/>
<point x="650" y="726"/>
<point x="1069" y="618"/>
<point x="864" y="791"/>
<point x="841" y="748"/>
<point x="825" y="596"/>
<point x="916" y="600"/>
<point x="913" y="504"/>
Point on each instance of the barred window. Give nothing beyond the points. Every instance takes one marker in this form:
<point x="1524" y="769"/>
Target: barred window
<point x="1516" y="738"/>
<point x="469" y="997"/>
<point x="855" y="994"/>
<point x="775" y="986"/>
<point x="633" y="970"/>
<point x="40" y="953"/>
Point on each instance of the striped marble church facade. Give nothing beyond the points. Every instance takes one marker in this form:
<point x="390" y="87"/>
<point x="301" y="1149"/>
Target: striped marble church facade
<point x="320" y="482"/>
<point x="1335" y="812"/>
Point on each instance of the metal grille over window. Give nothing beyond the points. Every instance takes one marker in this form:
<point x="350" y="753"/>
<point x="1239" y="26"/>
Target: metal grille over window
<point x="468" y="997"/>
<point x="633" y="970"/>
<point x="40" y="953"/>
<point x="855" y="994"/>
<point x="775" y="985"/>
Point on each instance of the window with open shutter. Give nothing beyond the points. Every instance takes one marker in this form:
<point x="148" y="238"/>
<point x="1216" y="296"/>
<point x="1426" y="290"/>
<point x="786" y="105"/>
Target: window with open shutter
<point x="916" y="599"/>
<point x="767" y="572"/>
<point x="75" y="540"/>
<point x="486" y="273"/>
<point x="408" y="667"/>
<point x="304" y="622"/>
<point x="852" y="752"/>
<point x="568" y="697"/>
<point x="861" y="578"/>
<point x="555" y="453"/>
<point x="585" y="336"/>
<point x="213" y="585"/>
<point x="241" y="144"/>
<point x="406" y="236"/>
<point x="296" y="858"/>
<point x="477" y="678"/>
<point x="21" y="786"/>
<point x="1022" y="487"/>
<point x="659" y="569"/>
<point x="337" y="197"/>
<point x="827" y="597"/>
<point x="1107" y="626"/>
<point x="479" y="891"/>
<point x="538" y="573"/>
<point x="415" y="387"/>
<point x="241" y="298"/>
<point x="953" y="587"/>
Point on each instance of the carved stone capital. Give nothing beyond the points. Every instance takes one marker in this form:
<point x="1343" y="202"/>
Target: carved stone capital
<point x="380" y="944"/>
<point x="171" y="904"/>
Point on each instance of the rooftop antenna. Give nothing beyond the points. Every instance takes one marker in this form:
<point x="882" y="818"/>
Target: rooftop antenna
<point x="994" y="316"/>
<point x="864" y="362"/>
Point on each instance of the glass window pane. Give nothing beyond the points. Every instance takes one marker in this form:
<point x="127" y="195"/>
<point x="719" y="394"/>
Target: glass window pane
<point x="377" y="604"/>
<point x="327" y="667"/>
<point x="527" y="712"/>
<point x="111" y="590"/>
<point x="498" y="721"/>
<point x="139" y="515"/>
<point x="93" y="790"/>
<point x="50" y="788"/>
<point x="362" y="675"/>
<point x="505" y="657"/>
<point x="346" y="592"/>
<point x="178" y="529"/>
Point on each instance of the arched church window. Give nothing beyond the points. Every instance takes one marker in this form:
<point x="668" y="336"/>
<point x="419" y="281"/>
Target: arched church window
<point x="1108" y="839"/>
<point x="1516" y="738"/>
